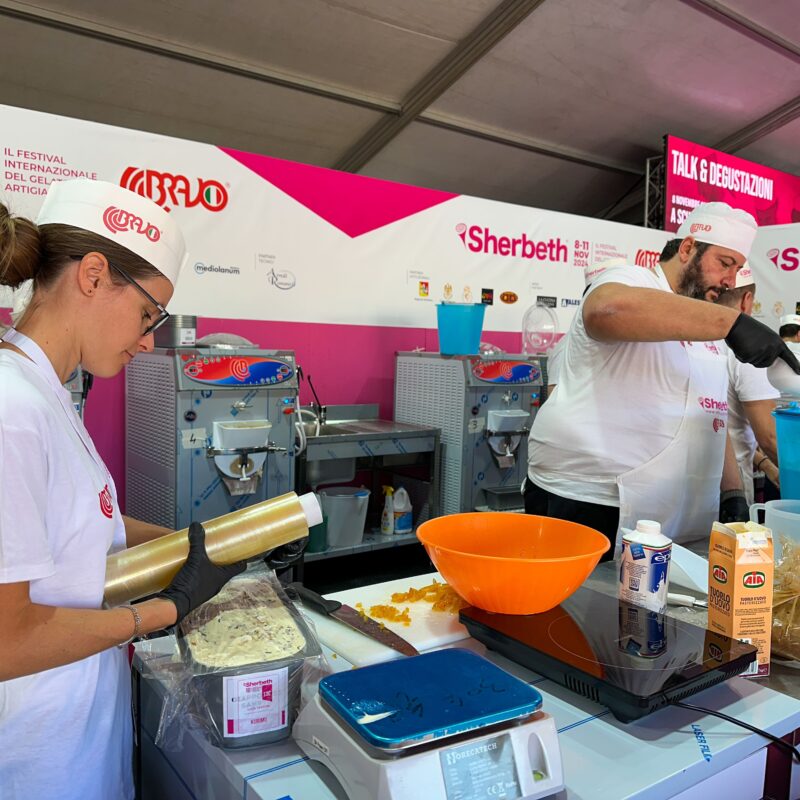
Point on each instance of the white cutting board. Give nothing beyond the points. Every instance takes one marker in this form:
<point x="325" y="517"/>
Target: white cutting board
<point x="428" y="628"/>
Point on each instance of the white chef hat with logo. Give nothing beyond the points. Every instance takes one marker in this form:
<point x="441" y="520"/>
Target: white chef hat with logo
<point x="720" y="224"/>
<point x="790" y="319"/>
<point x="121" y="216"/>
<point x="744" y="277"/>
<point x="591" y="272"/>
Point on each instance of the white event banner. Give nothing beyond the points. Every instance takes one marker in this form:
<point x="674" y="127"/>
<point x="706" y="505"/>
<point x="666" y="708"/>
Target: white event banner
<point x="275" y="240"/>
<point x="775" y="260"/>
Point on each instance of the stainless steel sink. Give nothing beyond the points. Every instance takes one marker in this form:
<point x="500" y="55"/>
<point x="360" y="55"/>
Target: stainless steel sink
<point x="327" y="429"/>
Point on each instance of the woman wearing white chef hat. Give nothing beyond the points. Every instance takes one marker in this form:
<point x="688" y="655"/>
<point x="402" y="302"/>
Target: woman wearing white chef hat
<point x="104" y="262"/>
<point x="637" y="426"/>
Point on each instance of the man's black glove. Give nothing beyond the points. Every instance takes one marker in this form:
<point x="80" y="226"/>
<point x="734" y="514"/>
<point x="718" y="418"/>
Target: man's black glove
<point x="754" y="343"/>
<point x="733" y="507"/>
<point x="287" y="554"/>
<point x="199" y="579"/>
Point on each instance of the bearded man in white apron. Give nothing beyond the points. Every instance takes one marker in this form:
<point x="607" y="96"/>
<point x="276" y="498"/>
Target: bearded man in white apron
<point x="637" y="425"/>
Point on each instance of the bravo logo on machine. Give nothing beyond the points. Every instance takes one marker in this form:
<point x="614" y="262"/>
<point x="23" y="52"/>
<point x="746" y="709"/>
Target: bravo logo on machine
<point x="169" y="190"/>
<point x="787" y="259"/>
<point x="480" y="239"/>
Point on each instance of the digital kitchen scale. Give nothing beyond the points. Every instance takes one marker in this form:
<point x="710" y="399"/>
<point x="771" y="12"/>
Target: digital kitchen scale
<point x="444" y="725"/>
<point x="625" y="657"/>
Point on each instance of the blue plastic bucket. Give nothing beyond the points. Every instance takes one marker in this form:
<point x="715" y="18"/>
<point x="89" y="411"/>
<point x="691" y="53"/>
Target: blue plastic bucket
<point x="460" y="326"/>
<point x="787" y="426"/>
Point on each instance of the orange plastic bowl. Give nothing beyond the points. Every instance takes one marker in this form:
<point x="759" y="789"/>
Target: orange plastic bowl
<point x="512" y="563"/>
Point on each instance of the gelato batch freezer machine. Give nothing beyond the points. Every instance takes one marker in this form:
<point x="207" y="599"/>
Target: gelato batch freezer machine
<point x="209" y="430"/>
<point x="484" y="406"/>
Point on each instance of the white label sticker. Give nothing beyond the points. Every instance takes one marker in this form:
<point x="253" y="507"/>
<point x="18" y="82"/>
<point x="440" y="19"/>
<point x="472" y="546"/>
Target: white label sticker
<point x="256" y="703"/>
<point x="476" y="424"/>
<point x="193" y="437"/>
<point x="188" y="336"/>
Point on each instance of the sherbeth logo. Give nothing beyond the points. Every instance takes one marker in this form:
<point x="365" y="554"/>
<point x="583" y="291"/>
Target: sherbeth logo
<point x="169" y="189"/>
<point x="787" y="259"/>
<point x="481" y="239"/>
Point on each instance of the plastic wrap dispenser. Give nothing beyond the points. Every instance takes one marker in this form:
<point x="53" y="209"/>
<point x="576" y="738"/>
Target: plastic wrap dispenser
<point x="148" y="568"/>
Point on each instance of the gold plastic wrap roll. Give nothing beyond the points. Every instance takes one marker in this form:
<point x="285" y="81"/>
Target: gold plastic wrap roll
<point x="149" y="567"/>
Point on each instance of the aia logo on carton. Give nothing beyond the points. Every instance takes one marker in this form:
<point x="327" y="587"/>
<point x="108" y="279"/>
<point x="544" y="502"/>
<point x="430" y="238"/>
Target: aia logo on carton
<point x="106" y="502"/>
<point x="787" y="259"/>
<point x="719" y="573"/>
<point x="718" y="424"/>
<point x="647" y="258"/>
<point x="754" y="580"/>
<point x="169" y="190"/>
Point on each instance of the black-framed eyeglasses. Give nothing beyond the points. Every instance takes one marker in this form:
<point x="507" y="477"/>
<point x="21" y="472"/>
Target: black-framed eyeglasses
<point x="163" y="314"/>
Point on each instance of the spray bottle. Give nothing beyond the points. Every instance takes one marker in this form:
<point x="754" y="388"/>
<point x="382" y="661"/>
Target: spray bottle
<point x="387" y="517"/>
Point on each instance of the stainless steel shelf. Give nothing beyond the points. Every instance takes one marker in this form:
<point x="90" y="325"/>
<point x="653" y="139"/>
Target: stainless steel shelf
<point x="371" y="541"/>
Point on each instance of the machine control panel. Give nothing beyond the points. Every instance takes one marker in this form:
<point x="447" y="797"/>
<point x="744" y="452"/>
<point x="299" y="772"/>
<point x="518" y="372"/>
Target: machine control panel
<point x="506" y="371"/>
<point x="237" y="370"/>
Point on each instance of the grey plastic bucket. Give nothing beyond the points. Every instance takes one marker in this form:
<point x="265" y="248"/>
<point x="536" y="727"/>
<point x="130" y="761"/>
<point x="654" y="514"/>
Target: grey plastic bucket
<point x="345" y="509"/>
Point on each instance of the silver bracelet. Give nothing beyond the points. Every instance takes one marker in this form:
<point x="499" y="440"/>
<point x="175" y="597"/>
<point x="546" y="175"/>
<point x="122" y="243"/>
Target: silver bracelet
<point x="137" y="625"/>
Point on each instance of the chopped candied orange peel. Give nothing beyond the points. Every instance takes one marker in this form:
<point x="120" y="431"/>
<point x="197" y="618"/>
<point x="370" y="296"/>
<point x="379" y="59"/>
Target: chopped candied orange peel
<point x="441" y="597"/>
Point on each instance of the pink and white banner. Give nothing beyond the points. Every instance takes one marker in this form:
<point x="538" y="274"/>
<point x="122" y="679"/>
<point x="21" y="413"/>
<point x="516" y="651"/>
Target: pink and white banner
<point x="775" y="259"/>
<point x="281" y="241"/>
<point x="697" y="174"/>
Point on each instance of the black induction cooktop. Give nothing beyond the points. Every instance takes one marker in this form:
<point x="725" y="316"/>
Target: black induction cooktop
<point x="627" y="658"/>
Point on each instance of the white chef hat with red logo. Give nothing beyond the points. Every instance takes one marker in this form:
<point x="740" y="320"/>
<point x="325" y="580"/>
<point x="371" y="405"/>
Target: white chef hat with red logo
<point x="120" y="216"/>
<point x="720" y="224"/>
<point x="744" y="277"/>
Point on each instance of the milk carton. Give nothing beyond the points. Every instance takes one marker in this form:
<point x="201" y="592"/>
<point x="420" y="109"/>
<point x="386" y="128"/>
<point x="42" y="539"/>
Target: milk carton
<point x="740" y="578"/>
<point x="644" y="566"/>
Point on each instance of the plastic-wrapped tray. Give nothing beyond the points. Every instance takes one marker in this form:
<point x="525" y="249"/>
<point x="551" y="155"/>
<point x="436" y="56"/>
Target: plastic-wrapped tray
<point x="246" y="650"/>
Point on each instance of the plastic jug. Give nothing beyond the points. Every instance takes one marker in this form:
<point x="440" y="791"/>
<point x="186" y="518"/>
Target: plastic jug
<point x="403" y="522"/>
<point x="782" y="517"/>
<point x="787" y="428"/>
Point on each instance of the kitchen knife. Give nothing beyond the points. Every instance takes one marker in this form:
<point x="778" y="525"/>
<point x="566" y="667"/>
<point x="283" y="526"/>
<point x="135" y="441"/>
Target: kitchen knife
<point x="350" y="617"/>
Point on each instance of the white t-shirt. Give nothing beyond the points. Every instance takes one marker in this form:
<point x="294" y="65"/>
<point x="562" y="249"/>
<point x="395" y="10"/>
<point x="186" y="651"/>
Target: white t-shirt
<point x="66" y="732"/>
<point x="555" y="358"/>
<point x="746" y="384"/>
<point x="615" y="406"/>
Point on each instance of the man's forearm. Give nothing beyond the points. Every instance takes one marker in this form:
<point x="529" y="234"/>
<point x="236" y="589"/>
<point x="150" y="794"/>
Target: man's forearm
<point x="138" y="532"/>
<point x="618" y="313"/>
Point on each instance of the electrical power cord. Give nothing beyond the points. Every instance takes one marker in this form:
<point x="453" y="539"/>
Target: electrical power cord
<point x="785" y="746"/>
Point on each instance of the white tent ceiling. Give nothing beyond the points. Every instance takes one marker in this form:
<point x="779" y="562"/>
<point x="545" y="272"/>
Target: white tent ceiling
<point x="548" y="103"/>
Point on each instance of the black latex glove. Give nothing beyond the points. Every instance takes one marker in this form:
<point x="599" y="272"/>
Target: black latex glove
<point x="754" y="343"/>
<point x="733" y="507"/>
<point x="287" y="554"/>
<point x="199" y="579"/>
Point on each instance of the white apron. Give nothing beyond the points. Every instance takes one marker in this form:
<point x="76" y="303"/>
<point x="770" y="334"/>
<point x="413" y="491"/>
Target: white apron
<point x="85" y="704"/>
<point x="679" y="487"/>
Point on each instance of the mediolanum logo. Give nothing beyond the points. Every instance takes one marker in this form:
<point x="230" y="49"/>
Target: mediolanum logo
<point x="200" y="268"/>
<point x="720" y="574"/>
<point x="169" y="189"/>
<point x="754" y="580"/>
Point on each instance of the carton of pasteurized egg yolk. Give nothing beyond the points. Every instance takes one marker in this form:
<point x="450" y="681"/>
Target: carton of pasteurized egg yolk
<point x="740" y="580"/>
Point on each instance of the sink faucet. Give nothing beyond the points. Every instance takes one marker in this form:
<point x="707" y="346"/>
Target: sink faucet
<point x="320" y="410"/>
